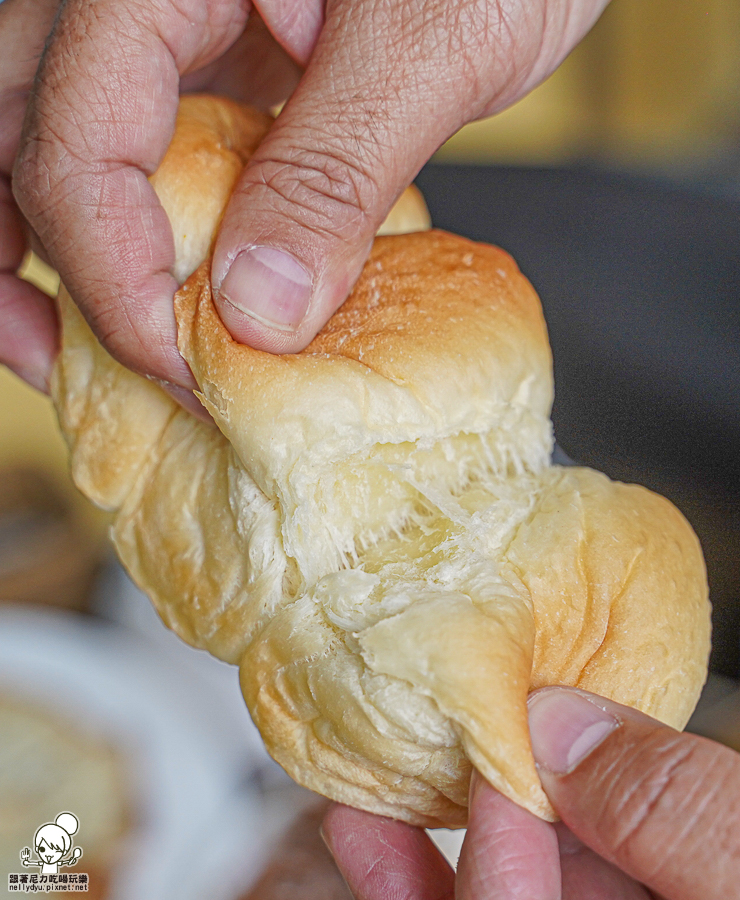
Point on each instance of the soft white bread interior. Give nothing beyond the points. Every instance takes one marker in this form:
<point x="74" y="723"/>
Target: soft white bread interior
<point x="371" y="529"/>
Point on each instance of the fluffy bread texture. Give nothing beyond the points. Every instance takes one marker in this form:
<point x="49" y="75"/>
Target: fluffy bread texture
<point x="372" y="529"/>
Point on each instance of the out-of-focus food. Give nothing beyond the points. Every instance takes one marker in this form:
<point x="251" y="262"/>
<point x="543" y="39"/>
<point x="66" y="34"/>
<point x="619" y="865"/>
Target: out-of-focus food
<point x="49" y="765"/>
<point x="47" y="554"/>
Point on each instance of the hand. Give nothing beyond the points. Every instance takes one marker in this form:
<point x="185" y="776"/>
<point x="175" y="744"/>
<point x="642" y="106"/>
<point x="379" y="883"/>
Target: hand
<point x="254" y="69"/>
<point x="25" y="856"/>
<point x="28" y="325"/>
<point x="300" y="867"/>
<point x="385" y="84"/>
<point x="646" y="812"/>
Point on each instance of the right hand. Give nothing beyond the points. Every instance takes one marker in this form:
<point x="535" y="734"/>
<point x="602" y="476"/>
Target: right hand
<point x="386" y="82"/>
<point x="647" y="812"/>
<point x="25" y="856"/>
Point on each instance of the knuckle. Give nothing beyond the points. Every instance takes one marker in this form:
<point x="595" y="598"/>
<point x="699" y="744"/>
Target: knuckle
<point x="124" y="336"/>
<point x="653" y="789"/>
<point x="637" y="805"/>
<point x="328" y="191"/>
<point x="28" y="181"/>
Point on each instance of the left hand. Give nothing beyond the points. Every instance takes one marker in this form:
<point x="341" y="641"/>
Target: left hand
<point x="28" y="325"/>
<point x="254" y="69"/>
<point x="647" y="812"/>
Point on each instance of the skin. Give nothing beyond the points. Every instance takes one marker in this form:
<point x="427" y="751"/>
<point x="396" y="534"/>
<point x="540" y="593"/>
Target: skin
<point x="301" y="865"/>
<point x="384" y="84"/>
<point x="28" y="325"/>
<point x="647" y="813"/>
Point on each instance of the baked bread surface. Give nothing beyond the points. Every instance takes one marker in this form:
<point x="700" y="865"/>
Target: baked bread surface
<point x="371" y="528"/>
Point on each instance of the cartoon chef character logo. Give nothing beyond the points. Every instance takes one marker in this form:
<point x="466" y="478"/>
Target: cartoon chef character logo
<point x="53" y="845"/>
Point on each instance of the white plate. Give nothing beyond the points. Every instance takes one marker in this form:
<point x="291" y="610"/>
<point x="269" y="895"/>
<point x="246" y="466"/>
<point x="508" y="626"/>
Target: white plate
<point x="178" y="715"/>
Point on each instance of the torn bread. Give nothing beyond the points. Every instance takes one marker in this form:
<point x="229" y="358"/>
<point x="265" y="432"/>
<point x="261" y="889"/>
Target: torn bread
<point x="372" y="529"/>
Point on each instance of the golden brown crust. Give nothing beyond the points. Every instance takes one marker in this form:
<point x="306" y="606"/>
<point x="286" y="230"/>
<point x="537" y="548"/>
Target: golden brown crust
<point x="420" y="299"/>
<point x="317" y="429"/>
<point x="372" y="528"/>
<point x="618" y="584"/>
<point x="425" y="294"/>
<point x="409" y="214"/>
<point x="213" y="142"/>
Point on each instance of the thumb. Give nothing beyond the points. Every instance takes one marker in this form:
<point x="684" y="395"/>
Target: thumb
<point x="662" y="806"/>
<point x="303" y="217"/>
<point x="387" y="82"/>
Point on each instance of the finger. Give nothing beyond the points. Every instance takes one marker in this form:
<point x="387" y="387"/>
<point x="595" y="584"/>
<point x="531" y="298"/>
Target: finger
<point x="585" y="875"/>
<point x="301" y="866"/>
<point x="296" y="26"/>
<point x="386" y="84"/>
<point x="100" y="121"/>
<point x="508" y="853"/>
<point x="187" y="399"/>
<point x="382" y="859"/>
<point x="24" y="26"/>
<point x="28" y="331"/>
<point x="662" y="806"/>
<point x="28" y="322"/>
<point x="255" y="70"/>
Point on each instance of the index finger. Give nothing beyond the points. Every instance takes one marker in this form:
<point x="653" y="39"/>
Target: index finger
<point x="382" y="859"/>
<point x="508" y="852"/>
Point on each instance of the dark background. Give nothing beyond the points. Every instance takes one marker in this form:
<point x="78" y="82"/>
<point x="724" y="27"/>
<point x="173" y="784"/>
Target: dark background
<point x="640" y="283"/>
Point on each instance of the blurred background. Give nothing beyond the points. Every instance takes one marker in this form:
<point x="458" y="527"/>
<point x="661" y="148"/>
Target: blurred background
<point x="616" y="186"/>
<point x="655" y="87"/>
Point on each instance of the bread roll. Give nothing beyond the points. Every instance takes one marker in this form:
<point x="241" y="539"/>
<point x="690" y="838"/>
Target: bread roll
<point x="372" y="529"/>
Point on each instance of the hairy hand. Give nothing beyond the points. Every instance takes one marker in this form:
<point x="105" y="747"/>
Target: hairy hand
<point x="385" y="83"/>
<point x="646" y="812"/>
